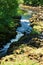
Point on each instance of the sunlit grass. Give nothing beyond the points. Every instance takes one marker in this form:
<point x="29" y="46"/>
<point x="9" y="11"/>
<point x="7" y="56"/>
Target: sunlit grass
<point x="22" y="61"/>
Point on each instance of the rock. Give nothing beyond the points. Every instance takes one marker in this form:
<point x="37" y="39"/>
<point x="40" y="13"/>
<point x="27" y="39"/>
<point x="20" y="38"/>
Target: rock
<point x="37" y="21"/>
<point x="35" y="9"/>
<point x="35" y="42"/>
<point x="37" y="28"/>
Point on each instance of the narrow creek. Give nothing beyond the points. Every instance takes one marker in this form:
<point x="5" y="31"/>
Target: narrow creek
<point x="25" y="27"/>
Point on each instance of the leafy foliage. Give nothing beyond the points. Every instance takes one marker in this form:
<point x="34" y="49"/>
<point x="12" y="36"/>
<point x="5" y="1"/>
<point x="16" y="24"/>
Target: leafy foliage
<point x="20" y="1"/>
<point x="8" y="9"/>
<point x="33" y="2"/>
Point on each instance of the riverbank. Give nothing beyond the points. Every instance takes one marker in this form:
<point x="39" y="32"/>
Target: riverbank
<point x="11" y="33"/>
<point x="32" y="8"/>
<point x="24" y="54"/>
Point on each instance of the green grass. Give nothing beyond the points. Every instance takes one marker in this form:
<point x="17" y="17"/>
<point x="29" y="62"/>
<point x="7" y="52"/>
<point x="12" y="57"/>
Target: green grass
<point x="17" y="62"/>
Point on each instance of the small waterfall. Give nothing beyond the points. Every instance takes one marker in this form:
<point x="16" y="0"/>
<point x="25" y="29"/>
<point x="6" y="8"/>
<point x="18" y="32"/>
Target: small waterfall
<point x="25" y="27"/>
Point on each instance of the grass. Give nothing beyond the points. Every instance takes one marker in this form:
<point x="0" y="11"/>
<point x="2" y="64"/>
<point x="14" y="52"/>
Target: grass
<point x="20" y="61"/>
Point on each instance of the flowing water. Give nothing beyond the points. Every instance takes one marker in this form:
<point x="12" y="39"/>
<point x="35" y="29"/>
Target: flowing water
<point x="25" y="27"/>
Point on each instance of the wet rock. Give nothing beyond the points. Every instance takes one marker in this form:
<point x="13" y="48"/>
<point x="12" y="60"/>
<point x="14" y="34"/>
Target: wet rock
<point x="36" y="42"/>
<point x="16" y="17"/>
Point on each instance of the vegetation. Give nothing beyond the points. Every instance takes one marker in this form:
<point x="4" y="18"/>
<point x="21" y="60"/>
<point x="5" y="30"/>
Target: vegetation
<point x="29" y="62"/>
<point x="19" y="57"/>
<point x="33" y="2"/>
<point x="8" y="8"/>
<point x="29" y="54"/>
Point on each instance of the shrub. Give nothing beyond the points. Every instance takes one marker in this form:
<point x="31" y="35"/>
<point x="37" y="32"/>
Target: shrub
<point x="33" y="2"/>
<point x="8" y="9"/>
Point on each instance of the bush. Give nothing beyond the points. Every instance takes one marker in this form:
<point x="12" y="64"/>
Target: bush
<point x="33" y="2"/>
<point x="8" y="9"/>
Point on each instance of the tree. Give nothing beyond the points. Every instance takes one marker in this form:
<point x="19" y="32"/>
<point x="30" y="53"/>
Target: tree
<point x="33" y="2"/>
<point x="8" y="8"/>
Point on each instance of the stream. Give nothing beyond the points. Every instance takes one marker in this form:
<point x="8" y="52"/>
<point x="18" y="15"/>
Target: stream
<point x="25" y="27"/>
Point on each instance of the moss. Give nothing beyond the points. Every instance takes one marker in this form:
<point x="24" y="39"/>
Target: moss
<point x="34" y="32"/>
